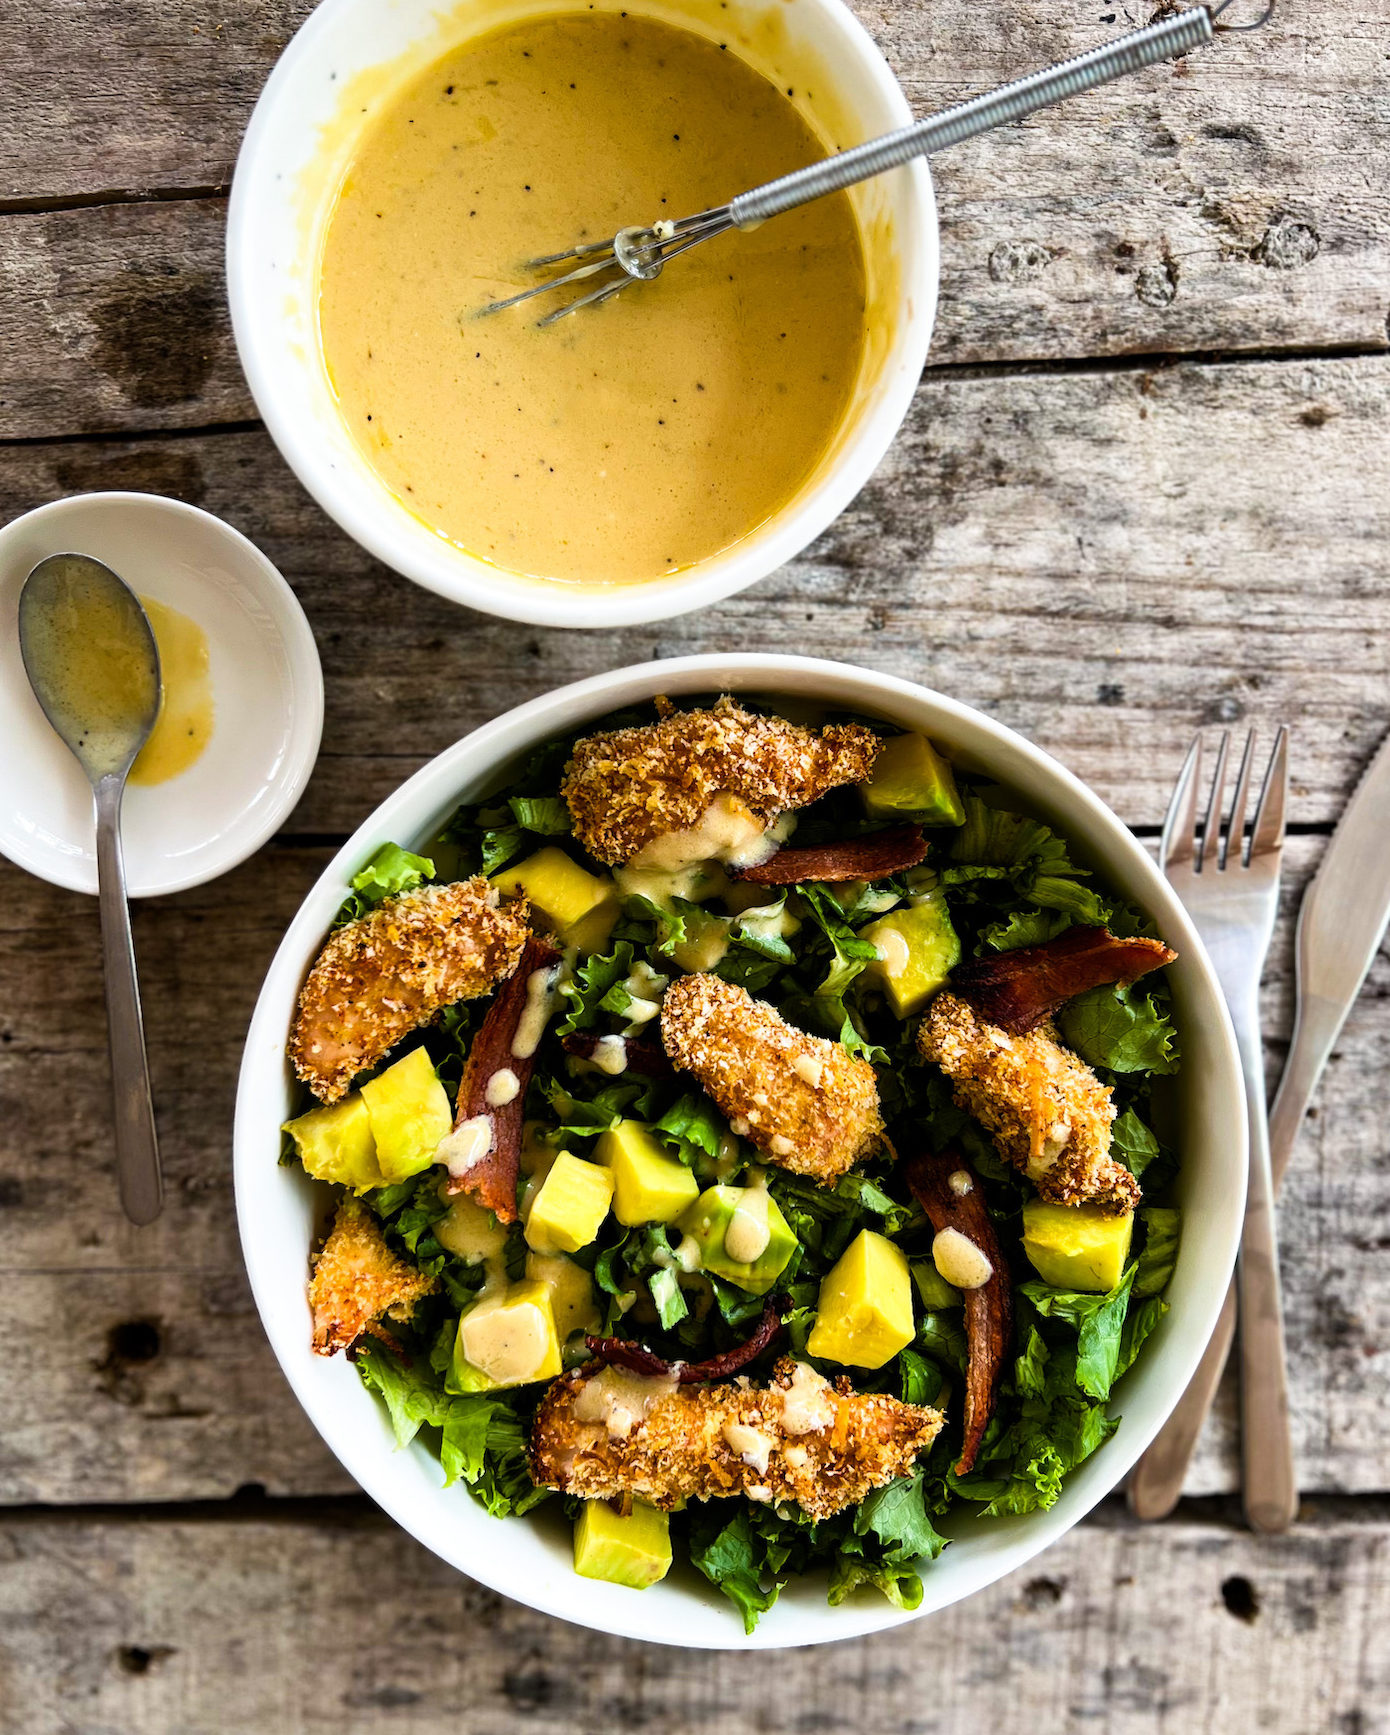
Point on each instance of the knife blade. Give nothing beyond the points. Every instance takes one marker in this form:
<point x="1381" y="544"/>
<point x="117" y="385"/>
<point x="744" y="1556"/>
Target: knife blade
<point x="1341" y="924"/>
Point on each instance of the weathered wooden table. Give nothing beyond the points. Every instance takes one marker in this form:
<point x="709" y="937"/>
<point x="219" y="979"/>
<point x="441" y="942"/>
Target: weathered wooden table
<point x="1145" y="486"/>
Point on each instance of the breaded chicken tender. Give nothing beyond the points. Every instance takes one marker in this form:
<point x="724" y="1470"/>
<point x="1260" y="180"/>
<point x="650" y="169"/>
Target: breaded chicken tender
<point x="379" y="978"/>
<point x="358" y="1279"/>
<point x="807" y="1104"/>
<point x="630" y="787"/>
<point x="1049" y="1113"/>
<point x="604" y="1435"/>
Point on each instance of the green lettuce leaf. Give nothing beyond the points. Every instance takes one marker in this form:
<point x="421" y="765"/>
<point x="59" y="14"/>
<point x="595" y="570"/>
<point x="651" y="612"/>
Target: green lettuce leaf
<point x="734" y="1560"/>
<point x="1162" y="1227"/>
<point x="897" y="1516"/>
<point x="900" y="1584"/>
<point x="545" y="814"/>
<point x="1132" y="1143"/>
<point x="591" y="982"/>
<point x="389" y="871"/>
<point x="692" y="1127"/>
<point x="1099" y="1320"/>
<point x="1121" y="1029"/>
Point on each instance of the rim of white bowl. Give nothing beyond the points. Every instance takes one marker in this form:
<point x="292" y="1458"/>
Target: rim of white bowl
<point x="1008" y="1543"/>
<point x="461" y="577"/>
<point x="305" y="709"/>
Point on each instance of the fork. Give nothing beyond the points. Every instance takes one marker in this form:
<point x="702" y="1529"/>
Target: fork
<point x="1231" y="891"/>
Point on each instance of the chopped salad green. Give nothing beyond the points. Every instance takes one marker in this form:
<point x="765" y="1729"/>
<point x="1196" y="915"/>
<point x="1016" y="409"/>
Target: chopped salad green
<point x="1006" y="880"/>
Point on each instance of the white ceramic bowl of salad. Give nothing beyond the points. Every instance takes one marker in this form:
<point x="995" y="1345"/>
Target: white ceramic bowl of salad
<point x="529" y="1558"/>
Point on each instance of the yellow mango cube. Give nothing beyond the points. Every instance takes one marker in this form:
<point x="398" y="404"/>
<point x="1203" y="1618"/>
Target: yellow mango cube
<point x="507" y="1340"/>
<point x="634" y="1551"/>
<point x="410" y="1114"/>
<point x="559" y="889"/>
<point x="865" y="1311"/>
<point x="335" y="1143"/>
<point x="570" y="1207"/>
<point x="1077" y="1247"/>
<point x="649" y="1185"/>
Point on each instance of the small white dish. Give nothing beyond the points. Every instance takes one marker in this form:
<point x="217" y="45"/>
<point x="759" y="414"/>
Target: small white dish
<point x="267" y="691"/>
<point x="347" y="62"/>
<point x="530" y="1558"/>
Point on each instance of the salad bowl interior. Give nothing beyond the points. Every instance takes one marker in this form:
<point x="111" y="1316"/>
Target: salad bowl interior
<point x="279" y="1209"/>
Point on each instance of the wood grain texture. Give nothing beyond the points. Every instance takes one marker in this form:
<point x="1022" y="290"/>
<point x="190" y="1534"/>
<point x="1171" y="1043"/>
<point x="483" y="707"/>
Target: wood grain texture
<point x="115" y="317"/>
<point x="1190" y="208"/>
<point x="338" y="1623"/>
<point x="141" y="1372"/>
<point x="1103" y="560"/>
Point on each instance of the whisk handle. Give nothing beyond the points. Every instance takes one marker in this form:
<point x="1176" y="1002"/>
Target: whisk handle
<point x="1162" y="41"/>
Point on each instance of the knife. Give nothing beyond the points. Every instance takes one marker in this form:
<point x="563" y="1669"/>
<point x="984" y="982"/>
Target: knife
<point x="1341" y="924"/>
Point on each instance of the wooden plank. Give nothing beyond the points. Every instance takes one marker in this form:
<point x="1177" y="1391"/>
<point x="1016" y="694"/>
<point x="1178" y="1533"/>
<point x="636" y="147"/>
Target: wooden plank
<point x="1231" y="202"/>
<point x="343" y="1625"/>
<point x="1102" y="560"/>
<point x="115" y="317"/>
<point x="140" y="1371"/>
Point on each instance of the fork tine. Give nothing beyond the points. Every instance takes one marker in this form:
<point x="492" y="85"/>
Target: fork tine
<point x="1211" y="850"/>
<point x="1234" y="852"/>
<point x="1268" y="833"/>
<point x="1178" y="842"/>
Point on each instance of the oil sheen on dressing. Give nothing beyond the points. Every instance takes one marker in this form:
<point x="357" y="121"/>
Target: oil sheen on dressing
<point x="634" y="439"/>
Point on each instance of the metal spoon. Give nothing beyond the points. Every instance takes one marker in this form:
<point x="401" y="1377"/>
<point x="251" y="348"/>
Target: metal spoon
<point x="91" y="658"/>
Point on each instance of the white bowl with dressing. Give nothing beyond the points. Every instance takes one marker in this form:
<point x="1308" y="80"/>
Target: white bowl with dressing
<point x="529" y="1559"/>
<point x="263" y="693"/>
<point x="347" y="64"/>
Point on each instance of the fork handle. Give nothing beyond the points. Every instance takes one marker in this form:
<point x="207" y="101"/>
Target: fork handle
<point x="1270" y="1486"/>
<point x="994" y="108"/>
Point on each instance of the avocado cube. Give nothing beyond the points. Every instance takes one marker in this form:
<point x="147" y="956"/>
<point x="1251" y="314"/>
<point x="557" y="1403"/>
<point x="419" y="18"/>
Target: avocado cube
<point x="933" y="1288"/>
<point x="506" y="1340"/>
<point x="410" y="1115"/>
<point x="571" y="1205"/>
<point x="571" y="1292"/>
<point x="335" y="1143"/>
<point x="747" y="1216"/>
<point x="865" y="1311"/>
<point x="635" y="1551"/>
<point x="1077" y="1247"/>
<point x="559" y="889"/>
<point x="649" y="1185"/>
<point x="918" y="948"/>
<point x="911" y="780"/>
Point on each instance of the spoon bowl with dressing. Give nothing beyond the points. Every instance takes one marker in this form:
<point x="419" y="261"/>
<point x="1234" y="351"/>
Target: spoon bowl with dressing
<point x="91" y="657"/>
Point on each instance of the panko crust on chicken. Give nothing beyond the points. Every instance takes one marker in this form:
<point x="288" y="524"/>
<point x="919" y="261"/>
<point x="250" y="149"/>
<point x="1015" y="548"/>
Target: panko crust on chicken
<point x="358" y="1280"/>
<point x="807" y="1104"/>
<point x="800" y="1439"/>
<point x="1049" y="1114"/>
<point x="379" y="978"/>
<point x="627" y="788"/>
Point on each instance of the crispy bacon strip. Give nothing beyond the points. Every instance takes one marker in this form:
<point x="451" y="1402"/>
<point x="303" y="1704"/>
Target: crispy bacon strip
<point x="618" y="1352"/>
<point x="492" y="1179"/>
<point x="1020" y="990"/>
<point x="642" y="1057"/>
<point x="857" y="858"/>
<point x="988" y="1310"/>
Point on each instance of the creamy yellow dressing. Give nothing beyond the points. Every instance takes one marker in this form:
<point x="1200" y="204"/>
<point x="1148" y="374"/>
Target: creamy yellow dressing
<point x="94" y="663"/>
<point x="633" y="439"/>
<point x="184" y="725"/>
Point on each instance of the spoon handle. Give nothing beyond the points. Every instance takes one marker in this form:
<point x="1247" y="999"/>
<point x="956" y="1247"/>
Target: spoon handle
<point x="137" y="1148"/>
